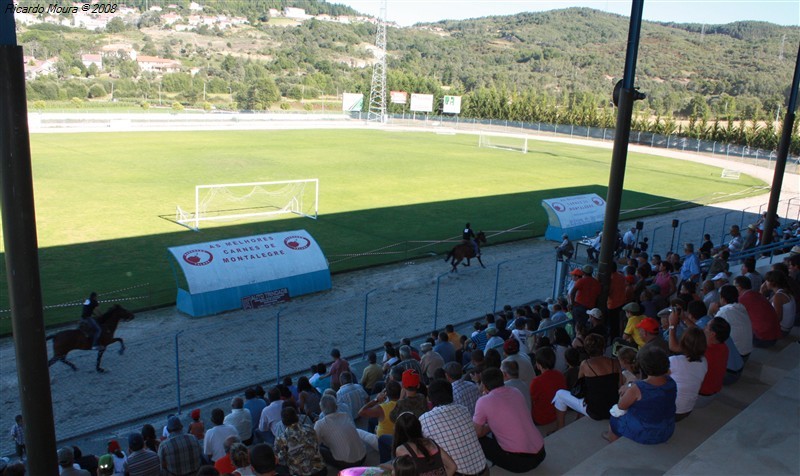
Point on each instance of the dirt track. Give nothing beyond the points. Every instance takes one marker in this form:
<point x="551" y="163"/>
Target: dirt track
<point x="223" y="353"/>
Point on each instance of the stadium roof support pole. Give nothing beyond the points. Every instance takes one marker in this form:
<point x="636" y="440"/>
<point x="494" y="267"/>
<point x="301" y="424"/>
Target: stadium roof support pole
<point x="616" y="179"/>
<point x="377" y="93"/>
<point x="783" y="154"/>
<point x="21" y="254"/>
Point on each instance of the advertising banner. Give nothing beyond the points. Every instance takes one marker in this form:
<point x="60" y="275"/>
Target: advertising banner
<point x="352" y="102"/>
<point x="398" y="97"/>
<point x="451" y="104"/>
<point x="422" y="102"/>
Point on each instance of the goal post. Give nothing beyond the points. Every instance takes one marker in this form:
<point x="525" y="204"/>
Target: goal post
<point x="504" y="142"/>
<point x="235" y="201"/>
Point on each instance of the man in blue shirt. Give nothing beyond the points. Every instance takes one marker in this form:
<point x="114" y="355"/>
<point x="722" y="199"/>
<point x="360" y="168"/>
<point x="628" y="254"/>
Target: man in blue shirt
<point x="690" y="270"/>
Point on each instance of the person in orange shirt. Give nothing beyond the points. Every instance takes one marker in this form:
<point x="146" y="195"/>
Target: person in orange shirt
<point x="616" y="299"/>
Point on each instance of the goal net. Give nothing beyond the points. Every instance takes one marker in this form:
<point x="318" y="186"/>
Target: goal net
<point x="236" y="201"/>
<point x="504" y="142"/>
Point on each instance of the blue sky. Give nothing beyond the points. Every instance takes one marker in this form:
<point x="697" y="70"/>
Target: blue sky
<point x="408" y="12"/>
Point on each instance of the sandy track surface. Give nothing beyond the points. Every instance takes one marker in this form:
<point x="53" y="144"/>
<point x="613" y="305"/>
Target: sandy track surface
<point x="223" y="354"/>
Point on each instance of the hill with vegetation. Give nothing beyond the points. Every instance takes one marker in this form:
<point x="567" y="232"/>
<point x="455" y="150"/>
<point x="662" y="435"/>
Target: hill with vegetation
<point x="557" y="66"/>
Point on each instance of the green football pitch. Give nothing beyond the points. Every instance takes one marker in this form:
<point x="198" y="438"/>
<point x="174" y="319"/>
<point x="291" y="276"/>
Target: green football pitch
<point x="101" y="198"/>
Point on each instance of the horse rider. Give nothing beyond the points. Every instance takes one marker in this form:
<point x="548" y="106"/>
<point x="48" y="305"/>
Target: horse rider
<point x="88" y="314"/>
<point x="468" y="237"/>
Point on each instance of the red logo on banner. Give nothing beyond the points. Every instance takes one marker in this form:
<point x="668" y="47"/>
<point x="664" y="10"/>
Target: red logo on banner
<point x="297" y="242"/>
<point x="598" y="201"/>
<point x="198" y="257"/>
<point x="559" y="207"/>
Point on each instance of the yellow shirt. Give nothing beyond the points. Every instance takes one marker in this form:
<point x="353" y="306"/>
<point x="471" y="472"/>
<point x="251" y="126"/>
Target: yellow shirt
<point x="386" y="426"/>
<point x="631" y="330"/>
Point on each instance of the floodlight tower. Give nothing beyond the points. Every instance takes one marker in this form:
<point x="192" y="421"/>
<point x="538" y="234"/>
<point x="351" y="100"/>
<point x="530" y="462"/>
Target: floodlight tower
<point x="377" y="93"/>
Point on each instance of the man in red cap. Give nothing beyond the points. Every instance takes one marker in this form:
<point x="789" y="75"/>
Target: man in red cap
<point x="410" y="398"/>
<point x="650" y="332"/>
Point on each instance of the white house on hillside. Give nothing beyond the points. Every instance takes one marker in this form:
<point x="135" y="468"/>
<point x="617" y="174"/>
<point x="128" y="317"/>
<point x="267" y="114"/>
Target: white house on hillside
<point x="158" y="65"/>
<point x="92" y="59"/>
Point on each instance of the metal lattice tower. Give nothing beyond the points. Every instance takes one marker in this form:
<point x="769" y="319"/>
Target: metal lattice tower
<point x="377" y="94"/>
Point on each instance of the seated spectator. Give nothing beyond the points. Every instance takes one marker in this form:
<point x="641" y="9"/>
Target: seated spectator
<point x="573" y="358"/>
<point x="150" y="440"/>
<point x="494" y="341"/>
<point x="180" y="453"/>
<point x="492" y="358"/>
<point x="224" y="464"/>
<point x="270" y="416"/>
<point x="105" y="465"/>
<point x="369" y="377"/>
<point x="262" y="459"/>
<point x="141" y="461"/>
<point x="410" y="399"/>
<point x="308" y="396"/>
<point x="688" y="369"/>
<point x="560" y="345"/>
<point x="379" y="409"/>
<point x="340" y="443"/>
<point x="763" y="318"/>
<point x="782" y="300"/>
<point x="431" y="361"/>
<point x="450" y="426"/>
<point x="407" y="361"/>
<point x="255" y="405"/>
<point x="393" y="358"/>
<point x="512" y="353"/>
<point x="648" y="405"/>
<point x="465" y="391"/>
<point x="445" y="348"/>
<point x="240" y="458"/>
<point x="544" y="387"/>
<point x="716" y="332"/>
<point x="626" y="356"/>
<point x="736" y="315"/>
<point x="478" y="337"/>
<point x="298" y="447"/>
<point x="428" y="457"/>
<point x="634" y="317"/>
<point x="86" y="461"/>
<point x="601" y="380"/>
<point x="353" y="396"/>
<point x="511" y="379"/>
<point x="322" y="381"/>
<point x="517" y="445"/>
<point x="213" y="444"/>
<point x="650" y="333"/>
<point x="239" y="418"/>
<point x="66" y="463"/>
<point x="119" y="456"/>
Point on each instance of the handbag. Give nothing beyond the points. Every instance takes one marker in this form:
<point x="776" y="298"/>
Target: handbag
<point x="579" y="389"/>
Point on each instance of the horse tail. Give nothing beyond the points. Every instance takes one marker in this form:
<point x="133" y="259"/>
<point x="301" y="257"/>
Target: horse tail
<point x="450" y="254"/>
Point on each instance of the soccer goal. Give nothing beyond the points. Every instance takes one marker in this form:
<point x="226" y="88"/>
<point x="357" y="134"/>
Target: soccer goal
<point x="236" y="201"/>
<point x="504" y="142"/>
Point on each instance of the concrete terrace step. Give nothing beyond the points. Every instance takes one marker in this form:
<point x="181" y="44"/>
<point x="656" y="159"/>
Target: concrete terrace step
<point x="764" y="437"/>
<point x="736" y="402"/>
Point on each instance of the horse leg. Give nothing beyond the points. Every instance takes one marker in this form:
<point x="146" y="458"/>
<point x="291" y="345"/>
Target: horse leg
<point x="99" y="358"/>
<point x="454" y="269"/>
<point x="121" y="343"/>
<point x="481" y="262"/>
<point x="467" y="263"/>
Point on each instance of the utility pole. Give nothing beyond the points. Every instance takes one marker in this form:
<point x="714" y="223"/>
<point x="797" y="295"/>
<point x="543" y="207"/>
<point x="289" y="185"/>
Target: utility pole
<point x="377" y="94"/>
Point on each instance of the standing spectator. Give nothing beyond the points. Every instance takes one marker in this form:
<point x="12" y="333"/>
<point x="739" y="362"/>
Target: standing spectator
<point x="649" y="404"/>
<point x="450" y="426"/>
<point x="690" y="269"/>
<point x="427" y="456"/>
<point x="298" y="447"/>
<point x="18" y="436"/>
<point x="370" y="376"/>
<point x="239" y="418"/>
<point x="544" y="387"/>
<point x="66" y="460"/>
<point x="340" y="443"/>
<point x="445" y="348"/>
<point x="338" y="366"/>
<point x="465" y="392"/>
<point x="141" y="461"/>
<point x="517" y="445"/>
<point x="584" y="294"/>
<point x="214" y="442"/>
<point x="180" y="453"/>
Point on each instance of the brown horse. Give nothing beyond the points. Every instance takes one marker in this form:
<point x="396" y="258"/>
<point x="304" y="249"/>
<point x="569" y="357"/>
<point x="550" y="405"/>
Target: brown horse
<point x="66" y="341"/>
<point x="466" y="251"/>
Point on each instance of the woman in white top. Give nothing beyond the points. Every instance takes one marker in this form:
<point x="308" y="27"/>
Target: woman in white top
<point x="688" y="369"/>
<point x="783" y="302"/>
